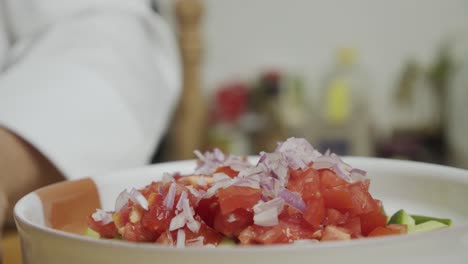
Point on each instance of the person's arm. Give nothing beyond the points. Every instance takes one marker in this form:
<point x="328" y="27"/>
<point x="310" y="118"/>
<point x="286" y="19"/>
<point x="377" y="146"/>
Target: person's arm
<point x="92" y="91"/>
<point x="23" y="169"/>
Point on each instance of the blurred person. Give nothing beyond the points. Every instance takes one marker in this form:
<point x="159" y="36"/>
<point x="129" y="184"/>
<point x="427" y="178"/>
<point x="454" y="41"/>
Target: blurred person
<point x="86" y="87"/>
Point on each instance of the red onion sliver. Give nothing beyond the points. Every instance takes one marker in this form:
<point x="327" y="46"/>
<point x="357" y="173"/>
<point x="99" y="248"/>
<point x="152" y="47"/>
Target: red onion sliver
<point x="220" y="176"/>
<point x="170" y="197"/>
<point x="182" y="198"/>
<point x="177" y="222"/>
<point x="102" y="216"/>
<point x="180" y="238"/>
<point x="194" y="226"/>
<point x="293" y="199"/>
<point x="139" y="198"/>
<point x="324" y="162"/>
<point x="357" y="175"/>
<point x="121" y="200"/>
<point x="187" y="210"/>
<point x="267" y="218"/>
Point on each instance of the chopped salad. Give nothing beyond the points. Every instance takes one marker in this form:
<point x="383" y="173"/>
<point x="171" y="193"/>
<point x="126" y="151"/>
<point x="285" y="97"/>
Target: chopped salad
<point x="294" y="194"/>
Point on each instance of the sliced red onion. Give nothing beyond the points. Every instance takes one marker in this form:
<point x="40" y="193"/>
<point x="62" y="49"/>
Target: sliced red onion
<point x="177" y="222"/>
<point x="341" y="172"/>
<point x="199" y="155"/>
<point x="180" y="238"/>
<point x="102" y="216"/>
<point x="252" y="171"/>
<point x="170" y="197"/>
<point x="201" y="181"/>
<point x="345" y="165"/>
<point x="167" y="177"/>
<point x="194" y="226"/>
<point x="247" y="183"/>
<point x="187" y="210"/>
<point x="267" y="218"/>
<point x="196" y="193"/>
<point x="266" y="213"/>
<point x="276" y="165"/>
<point x="277" y="203"/>
<point x="358" y="175"/>
<point x="218" y="185"/>
<point x="293" y="199"/>
<point x="220" y="176"/>
<point x="218" y="155"/>
<point x="182" y="198"/>
<point x="139" y="198"/>
<point x="324" y="162"/>
<point x="262" y="157"/>
<point x="121" y="200"/>
<point x="210" y="161"/>
<point x="298" y="152"/>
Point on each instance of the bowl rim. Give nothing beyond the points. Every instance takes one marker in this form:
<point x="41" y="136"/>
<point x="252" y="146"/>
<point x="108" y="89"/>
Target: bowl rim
<point x="457" y="174"/>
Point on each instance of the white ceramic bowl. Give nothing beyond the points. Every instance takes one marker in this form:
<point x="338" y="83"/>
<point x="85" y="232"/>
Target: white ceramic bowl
<point x="49" y="219"/>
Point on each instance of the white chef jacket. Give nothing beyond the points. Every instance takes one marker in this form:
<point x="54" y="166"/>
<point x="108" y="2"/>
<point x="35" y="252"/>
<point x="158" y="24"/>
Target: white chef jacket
<point x="90" y="83"/>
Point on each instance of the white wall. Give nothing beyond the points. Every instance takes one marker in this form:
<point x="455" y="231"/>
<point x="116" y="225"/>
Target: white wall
<point x="243" y="37"/>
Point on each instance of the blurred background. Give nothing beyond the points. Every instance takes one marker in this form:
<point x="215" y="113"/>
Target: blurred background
<point x="368" y="78"/>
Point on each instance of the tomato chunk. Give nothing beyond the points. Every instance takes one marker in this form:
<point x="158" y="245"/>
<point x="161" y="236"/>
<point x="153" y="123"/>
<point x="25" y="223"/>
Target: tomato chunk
<point x="386" y="231"/>
<point x="338" y="197"/>
<point x="371" y="221"/>
<point x="106" y="231"/>
<point x="331" y="233"/>
<point x="329" y="179"/>
<point x="207" y="209"/>
<point x="233" y="223"/>
<point x="334" y="217"/>
<point x="315" y="212"/>
<point x="234" y="197"/>
<point x="363" y="203"/>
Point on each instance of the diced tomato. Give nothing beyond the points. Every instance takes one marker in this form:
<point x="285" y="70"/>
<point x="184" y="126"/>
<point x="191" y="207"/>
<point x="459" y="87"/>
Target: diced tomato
<point x="403" y="229"/>
<point x="287" y="231"/>
<point x="106" y="231"/>
<point x="384" y="231"/>
<point x="121" y="218"/>
<point x="315" y="212"/>
<point x="294" y="182"/>
<point x="371" y="221"/>
<point x="363" y="203"/>
<point x="210" y="236"/>
<point x="338" y="197"/>
<point x="137" y="233"/>
<point x="334" y="217"/>
<point x="233" y="223"/>
<point x="158" y="217"/>
<point x="154" y="187"/>
<point x="353" y="225"/>
<point x="247" y="236"/>
<point x="234" y="197"/>
<point x="296" y="228"/>
<point x="306" y="182"/>
<point x="228" y="171"/>
<point x="328" y="179"/>
<point x="207" y="209"/>
<point x="331" y="233"/>
<point x="311" y="182"/>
